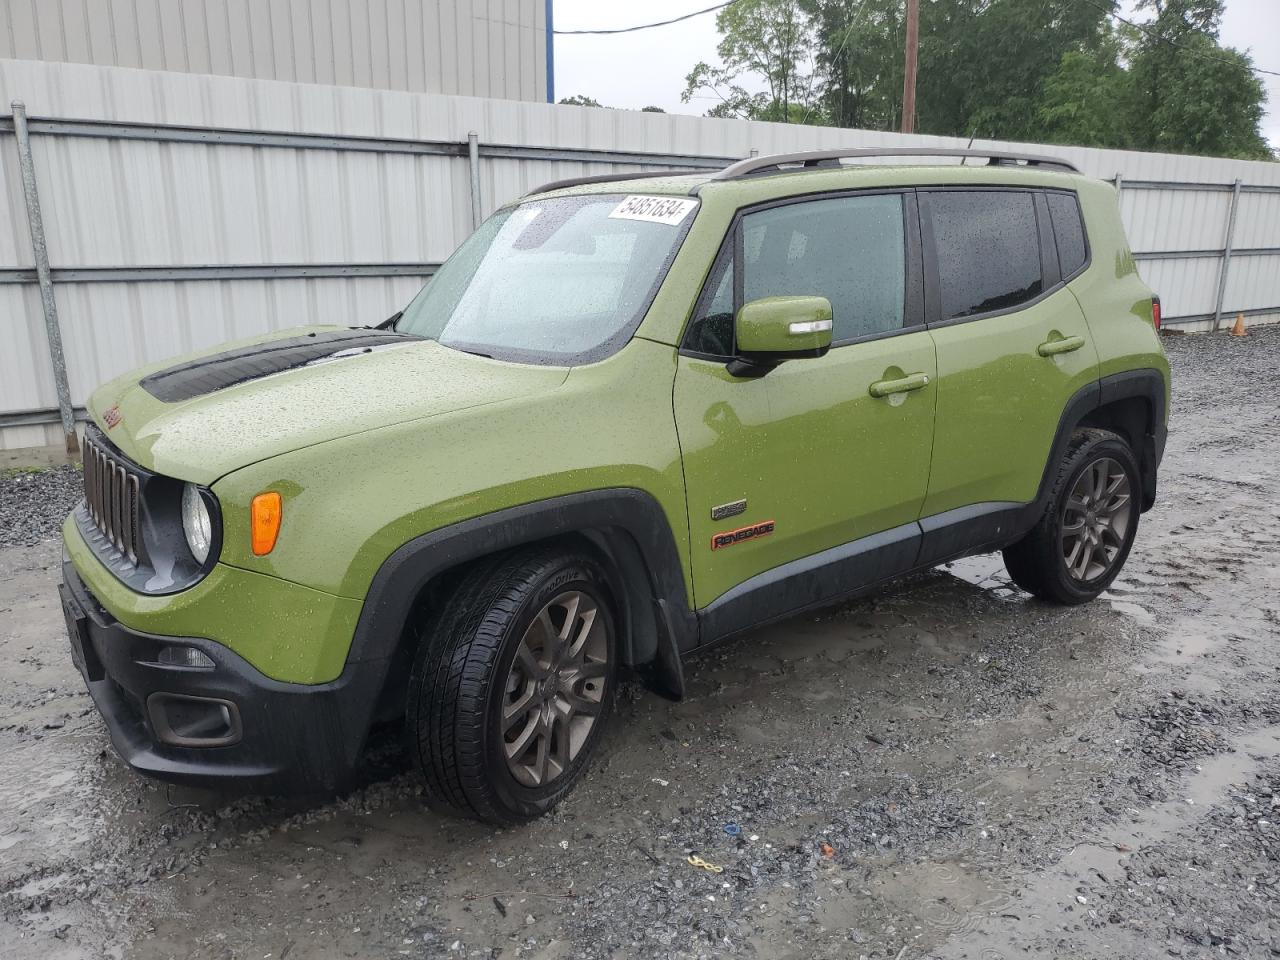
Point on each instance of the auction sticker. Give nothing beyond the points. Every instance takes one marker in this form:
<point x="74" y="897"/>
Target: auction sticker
<point x="670" y="210"/>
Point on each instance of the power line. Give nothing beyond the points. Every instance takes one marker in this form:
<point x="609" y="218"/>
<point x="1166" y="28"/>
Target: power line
<point x="646" y="26"/>
<point x="1142" y="28"/>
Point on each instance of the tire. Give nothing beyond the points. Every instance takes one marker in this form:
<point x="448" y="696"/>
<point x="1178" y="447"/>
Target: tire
<point x="1081" y="542"/>
<point x="498" y="647"/>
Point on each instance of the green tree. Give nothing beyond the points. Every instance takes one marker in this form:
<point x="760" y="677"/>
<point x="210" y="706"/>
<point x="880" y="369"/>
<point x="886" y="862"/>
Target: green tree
<point x="1057" y="71"/>
<point x="578" y="100"/>
<point x="1088" y="100"/>
<point x="984" y="63"/>
<point x="858" y="55"/>
<point x="770" y="41"/>
<point x="1193" y="95"/>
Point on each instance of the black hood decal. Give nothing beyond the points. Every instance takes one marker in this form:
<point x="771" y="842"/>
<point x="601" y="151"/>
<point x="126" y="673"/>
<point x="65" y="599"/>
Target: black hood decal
<point x="222" y="370"/>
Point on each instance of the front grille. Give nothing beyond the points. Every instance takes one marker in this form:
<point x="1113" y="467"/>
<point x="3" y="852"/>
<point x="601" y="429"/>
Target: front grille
<point x="111" y="492"/>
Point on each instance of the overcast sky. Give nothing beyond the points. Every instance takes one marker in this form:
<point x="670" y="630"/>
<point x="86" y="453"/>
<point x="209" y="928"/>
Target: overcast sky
<point x="648" y="67"/>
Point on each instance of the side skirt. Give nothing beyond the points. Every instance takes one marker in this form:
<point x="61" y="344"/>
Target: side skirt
<point x="860" y="567"/>
<point x="976" y="528"/>
<point x="810" y="581"/>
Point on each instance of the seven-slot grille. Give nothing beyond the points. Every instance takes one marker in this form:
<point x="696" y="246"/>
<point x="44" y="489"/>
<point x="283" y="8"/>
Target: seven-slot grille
<point x="111" y="498"/>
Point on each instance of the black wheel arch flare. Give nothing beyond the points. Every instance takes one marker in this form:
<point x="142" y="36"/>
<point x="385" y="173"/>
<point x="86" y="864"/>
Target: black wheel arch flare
<point x="1131" y="403"/>
<point x="626" y="525"/>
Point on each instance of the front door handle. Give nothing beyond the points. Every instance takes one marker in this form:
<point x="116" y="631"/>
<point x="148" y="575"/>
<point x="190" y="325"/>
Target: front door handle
<point x="1051" y="348"/>
<point x="915" y="381"/>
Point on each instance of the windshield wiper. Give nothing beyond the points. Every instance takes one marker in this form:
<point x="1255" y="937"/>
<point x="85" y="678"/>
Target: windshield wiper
<point x="390" y="322"/>
<point x="467" y="348"/>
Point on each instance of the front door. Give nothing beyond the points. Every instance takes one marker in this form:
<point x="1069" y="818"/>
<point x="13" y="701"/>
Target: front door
<point x="806" y="460"/>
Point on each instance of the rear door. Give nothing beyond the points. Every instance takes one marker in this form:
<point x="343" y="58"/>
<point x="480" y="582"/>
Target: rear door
<point x="1013" y="347"/>
<point x="806" y="459"/>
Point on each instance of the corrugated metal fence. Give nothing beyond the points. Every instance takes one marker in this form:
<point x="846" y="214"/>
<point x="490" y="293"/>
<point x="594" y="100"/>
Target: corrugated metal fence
<point x="184" y="210"/>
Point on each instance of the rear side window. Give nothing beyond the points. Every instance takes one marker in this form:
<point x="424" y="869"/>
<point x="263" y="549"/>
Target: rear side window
<point x="988" y="250"/>
<point x="1068" y="231"/>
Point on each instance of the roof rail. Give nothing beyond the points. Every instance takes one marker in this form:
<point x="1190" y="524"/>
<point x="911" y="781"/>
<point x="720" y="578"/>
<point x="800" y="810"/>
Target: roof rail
<point x="617" y="178"/>
<point x="753" y="165"/>
<point x="811" y="159"/>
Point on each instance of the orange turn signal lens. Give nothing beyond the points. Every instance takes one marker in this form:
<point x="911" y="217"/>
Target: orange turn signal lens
<point x="264" y="522"/>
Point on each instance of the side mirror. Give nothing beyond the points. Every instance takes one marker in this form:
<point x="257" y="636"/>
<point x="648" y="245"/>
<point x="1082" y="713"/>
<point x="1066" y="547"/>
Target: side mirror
<point x="775" y="329"/>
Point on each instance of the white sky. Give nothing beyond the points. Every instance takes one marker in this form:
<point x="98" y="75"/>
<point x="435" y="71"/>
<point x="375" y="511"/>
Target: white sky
<point x="648" y="67"/>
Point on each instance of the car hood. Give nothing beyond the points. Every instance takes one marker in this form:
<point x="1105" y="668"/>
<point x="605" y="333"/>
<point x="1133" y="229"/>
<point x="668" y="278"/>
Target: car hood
<point x="202" y="416"/>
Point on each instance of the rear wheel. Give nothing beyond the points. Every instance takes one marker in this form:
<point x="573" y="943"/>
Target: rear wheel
<point x="1079" y="545"/>
<point x="512" y="684"/>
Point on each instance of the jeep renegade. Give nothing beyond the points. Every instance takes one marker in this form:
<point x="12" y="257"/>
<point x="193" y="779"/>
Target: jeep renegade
<point x="629" y="417"/>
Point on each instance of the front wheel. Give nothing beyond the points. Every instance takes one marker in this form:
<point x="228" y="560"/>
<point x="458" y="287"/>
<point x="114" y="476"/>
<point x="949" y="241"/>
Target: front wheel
<point x="1079" y="545"/>
<point x="512" y="684"/>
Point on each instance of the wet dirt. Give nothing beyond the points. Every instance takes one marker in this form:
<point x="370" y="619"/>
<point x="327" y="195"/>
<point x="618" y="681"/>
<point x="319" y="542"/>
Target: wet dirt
<point x="948" y="769"/>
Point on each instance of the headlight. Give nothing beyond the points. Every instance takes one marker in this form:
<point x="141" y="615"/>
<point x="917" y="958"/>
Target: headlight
<point x="196" y="523"/>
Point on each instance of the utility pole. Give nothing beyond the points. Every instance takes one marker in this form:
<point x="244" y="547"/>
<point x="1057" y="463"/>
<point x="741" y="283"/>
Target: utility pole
<point x="909" y="80"/>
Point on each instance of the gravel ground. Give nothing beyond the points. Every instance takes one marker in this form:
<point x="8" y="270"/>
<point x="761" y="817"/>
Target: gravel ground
<point x="948" y="770"/>
<point x="33" y="503"/>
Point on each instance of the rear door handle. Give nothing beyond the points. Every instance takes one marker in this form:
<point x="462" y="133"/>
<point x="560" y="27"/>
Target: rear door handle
<point x="882" y="388"/>
<point x="1051" y="348"/>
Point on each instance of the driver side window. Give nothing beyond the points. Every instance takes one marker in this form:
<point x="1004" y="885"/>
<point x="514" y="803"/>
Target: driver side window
<point x="851" y="250"/>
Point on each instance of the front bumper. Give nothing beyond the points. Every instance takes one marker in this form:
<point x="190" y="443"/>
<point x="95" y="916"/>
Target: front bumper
<point x="277" y="737"/>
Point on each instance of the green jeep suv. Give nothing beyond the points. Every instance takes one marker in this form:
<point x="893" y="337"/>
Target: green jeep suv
<point x="629" y="417"/>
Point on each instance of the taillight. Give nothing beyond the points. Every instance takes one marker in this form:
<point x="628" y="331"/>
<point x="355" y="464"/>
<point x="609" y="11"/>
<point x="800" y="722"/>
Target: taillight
<point x="1155" y="312"/>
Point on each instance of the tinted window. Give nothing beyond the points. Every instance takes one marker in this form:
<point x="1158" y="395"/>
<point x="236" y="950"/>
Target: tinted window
<point x="988" y="250"/>
<point x="851" y="250"/>
<point x="1064" y="211"/>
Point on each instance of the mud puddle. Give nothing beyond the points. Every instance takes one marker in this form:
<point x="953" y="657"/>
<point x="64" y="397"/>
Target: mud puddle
<point x="1071" y="893"/>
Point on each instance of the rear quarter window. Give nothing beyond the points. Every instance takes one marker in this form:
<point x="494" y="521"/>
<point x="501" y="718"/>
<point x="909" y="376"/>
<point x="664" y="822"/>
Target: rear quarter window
<point x="1068" y="231"/>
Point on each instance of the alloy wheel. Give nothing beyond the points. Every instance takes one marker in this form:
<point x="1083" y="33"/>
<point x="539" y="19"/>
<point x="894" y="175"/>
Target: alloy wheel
<point x="1096" y="519"/>
<point x="555" y="688"/>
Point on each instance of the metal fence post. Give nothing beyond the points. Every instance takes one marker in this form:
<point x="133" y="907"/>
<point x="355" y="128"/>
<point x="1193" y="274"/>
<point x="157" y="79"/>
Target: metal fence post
<point x="41" y="253"/>
<point x="1119" y="184"/>
<point x="1226" y="254"/>
<point x="473" y="157"/>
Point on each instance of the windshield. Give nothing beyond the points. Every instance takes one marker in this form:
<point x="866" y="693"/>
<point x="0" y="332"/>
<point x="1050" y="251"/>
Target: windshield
<point x="565" y="280"/>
